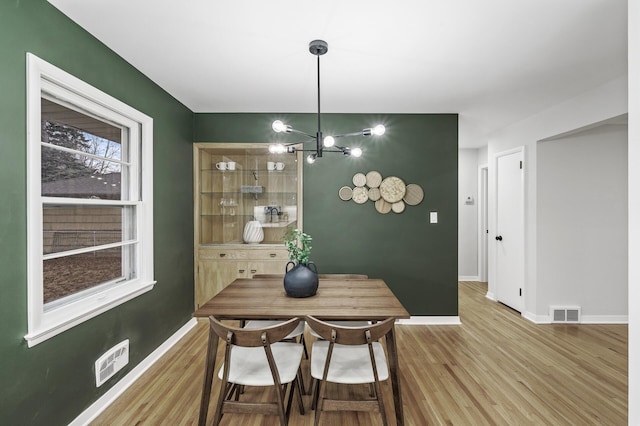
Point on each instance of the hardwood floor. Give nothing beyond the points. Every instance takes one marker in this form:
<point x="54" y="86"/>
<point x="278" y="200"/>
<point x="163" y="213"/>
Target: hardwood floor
<point x="495" y="369"/>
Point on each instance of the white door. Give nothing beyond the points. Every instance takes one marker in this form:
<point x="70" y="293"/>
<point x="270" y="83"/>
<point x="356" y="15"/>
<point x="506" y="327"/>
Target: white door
<point x="509" y="232"/>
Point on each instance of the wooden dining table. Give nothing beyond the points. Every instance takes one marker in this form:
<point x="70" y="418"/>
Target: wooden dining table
<point x="336" y="299"/>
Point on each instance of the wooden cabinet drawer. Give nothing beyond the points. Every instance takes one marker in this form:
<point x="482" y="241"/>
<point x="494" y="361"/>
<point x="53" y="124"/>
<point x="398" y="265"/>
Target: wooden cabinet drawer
<point x="275" y="254"/>
<point x="222" y="254"/>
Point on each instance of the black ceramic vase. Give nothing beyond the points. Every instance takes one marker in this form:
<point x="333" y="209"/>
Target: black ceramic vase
<point x="301" y="280"/>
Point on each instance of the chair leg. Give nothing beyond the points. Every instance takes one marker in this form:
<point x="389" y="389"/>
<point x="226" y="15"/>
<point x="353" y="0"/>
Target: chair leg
<point x="299" y="391"/>
<point x="319" y="401"/>
<point x="378" y="392"/>
<point x="224" y="389"/>
<point x="313" y="390"/>
<point x="304" y="345"/>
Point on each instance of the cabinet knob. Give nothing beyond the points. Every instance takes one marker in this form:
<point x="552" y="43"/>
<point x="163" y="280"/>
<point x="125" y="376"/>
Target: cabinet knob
<point x="272" y="255"/>
<point x="223" y="254"/>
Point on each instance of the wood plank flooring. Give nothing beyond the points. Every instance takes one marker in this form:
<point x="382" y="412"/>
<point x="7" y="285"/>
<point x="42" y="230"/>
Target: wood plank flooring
<point x="495" y="369"/>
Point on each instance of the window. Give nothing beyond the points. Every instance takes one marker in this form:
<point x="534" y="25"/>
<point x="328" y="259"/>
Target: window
<point x="89" y="201"/>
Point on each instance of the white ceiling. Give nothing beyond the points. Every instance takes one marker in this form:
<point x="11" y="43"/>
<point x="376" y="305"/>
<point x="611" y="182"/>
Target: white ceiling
<point x="494" y="62"/>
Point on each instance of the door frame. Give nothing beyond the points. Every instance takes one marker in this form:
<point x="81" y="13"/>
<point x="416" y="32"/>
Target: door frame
<point x="483" y="222"/>
<point x="494" y="220"/>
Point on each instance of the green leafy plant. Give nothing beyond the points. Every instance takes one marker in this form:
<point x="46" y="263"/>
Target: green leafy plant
<point x="299" y="246"/>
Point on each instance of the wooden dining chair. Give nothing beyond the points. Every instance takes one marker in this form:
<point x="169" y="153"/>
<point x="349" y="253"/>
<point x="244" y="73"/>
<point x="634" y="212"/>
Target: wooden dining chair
<point x="349" y="355"/>
<point x="296" y="335"/>
<point x="257" y="357"/>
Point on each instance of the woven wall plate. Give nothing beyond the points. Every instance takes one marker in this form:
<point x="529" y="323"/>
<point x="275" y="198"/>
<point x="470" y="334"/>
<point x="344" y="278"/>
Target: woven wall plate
<point x="414" y="194"/>
<point x="359" y="179"/>
<point x="360" y="195"/>
<point x="345" y="193"/>
<point x="382" y="206"/>
<point x="392" y="189"/>
<point x="398" y="207"/>
<point x="374" y="194"/>
<point x="374" y="179"/>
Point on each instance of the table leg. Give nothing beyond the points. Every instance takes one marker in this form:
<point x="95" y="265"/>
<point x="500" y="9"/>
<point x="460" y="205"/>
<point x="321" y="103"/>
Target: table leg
<point x="392" y="350"/>
<point x="210" y="364"/>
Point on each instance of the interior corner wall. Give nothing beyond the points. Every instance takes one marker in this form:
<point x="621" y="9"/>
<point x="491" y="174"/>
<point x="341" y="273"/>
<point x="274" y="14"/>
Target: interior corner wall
<point x="417" y="259"/>
<point x="468" y="214"/>
<point x="582" y="223"/>
<point x="604" y="102"/>
<point x="54" y="381"/>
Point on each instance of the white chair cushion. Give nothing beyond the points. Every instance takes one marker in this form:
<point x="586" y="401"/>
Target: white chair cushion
<point x="342" y="323"/>
<point x="269" y="323"/>
<point x="349" y="364"/>
<point x="249" y="366"/>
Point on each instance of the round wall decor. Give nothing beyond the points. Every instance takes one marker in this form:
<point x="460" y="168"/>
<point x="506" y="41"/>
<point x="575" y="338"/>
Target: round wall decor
<point x="345" y="193"/>
<point x="392" y="189"/>
<point x="414" y="194"/>
<point x="374" y="179"/>
<point x="359" y="179"/>
<point x="374" y="194"/>
<point x="382" y="206"/>
<point x="360" y="195"/>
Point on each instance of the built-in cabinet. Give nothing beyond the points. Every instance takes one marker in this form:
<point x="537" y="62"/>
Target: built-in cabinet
<point x="235" y="183"/>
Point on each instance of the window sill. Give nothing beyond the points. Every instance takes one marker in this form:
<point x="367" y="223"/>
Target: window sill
<point x="88" y="310"/>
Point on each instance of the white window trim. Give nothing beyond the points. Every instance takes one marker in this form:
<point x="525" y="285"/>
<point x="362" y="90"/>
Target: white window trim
<point x="42" y="324"/>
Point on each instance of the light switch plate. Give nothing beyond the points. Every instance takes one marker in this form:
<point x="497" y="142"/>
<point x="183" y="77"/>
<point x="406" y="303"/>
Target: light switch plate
<point x="433" y="217"/>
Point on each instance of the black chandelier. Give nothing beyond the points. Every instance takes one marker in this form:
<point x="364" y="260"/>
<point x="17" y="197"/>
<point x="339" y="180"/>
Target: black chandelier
<point x="328" y="143"/>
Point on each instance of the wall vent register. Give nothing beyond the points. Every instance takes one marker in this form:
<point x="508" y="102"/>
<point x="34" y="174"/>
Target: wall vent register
<point x="111" y="362"/>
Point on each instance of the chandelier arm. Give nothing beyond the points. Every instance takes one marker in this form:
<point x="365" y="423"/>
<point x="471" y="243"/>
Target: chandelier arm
<point x="301" y="133"/>
<point x="349" y="134"/>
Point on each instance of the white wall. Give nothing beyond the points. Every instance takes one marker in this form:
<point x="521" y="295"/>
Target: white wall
<point x="634" y="212"/>
<point x="599" y="104"/>
<point x="467" y="215"/>
<point x="582" y="223"/>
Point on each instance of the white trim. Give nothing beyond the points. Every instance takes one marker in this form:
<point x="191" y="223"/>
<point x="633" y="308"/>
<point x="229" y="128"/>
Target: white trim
<point x="483" y="222"/>
<point x="585" y="319"/>
<point x="88" y="415"/>
<point x="468" y="278"/>
<point x="491" y="296"/>
<point x="44" y="323"/>
<point x="429" y="320"/>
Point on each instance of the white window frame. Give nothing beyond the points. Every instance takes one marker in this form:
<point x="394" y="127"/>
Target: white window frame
<point x="56" y="318"/>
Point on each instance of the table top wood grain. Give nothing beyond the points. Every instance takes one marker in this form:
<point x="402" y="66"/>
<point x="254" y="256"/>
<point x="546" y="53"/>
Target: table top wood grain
<point x="336" y="299"/>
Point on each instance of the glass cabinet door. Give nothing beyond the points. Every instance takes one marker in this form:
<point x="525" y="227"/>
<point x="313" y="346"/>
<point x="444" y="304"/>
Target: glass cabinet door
<point x="238" y="183"/>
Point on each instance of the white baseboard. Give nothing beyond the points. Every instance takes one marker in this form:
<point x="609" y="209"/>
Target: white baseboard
<point x="112" y="394"/>
<point x="428" y="320"/>
<point x="585" y="319"/>
<point x="491" y="296"/>
<point x="604" y="319"/>
<point x="468" y="278"/>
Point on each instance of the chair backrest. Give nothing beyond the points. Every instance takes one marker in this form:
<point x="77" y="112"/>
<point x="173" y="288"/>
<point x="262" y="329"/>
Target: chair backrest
<point x="344" y="276"/>
<point x="350" y="335"/>
<point x="253" y="337"/>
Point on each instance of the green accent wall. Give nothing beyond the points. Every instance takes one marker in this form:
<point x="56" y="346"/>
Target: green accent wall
<point x="53" y="382"/>
<point x="418" y="260"/>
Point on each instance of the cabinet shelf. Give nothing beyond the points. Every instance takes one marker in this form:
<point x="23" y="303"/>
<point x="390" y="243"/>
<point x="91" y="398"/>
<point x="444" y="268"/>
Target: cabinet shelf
<point x="226" y="200"/>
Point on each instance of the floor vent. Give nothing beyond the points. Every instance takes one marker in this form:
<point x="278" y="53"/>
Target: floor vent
<point x="111" y="362"/>
<point x="565" y="314"/>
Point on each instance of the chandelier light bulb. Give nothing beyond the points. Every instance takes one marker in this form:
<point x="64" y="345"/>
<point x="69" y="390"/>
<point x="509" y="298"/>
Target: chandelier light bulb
<point x="379" y="130"/>
<point x="278" y="126"/>
<point x="356" y="152"/>
<point x="311" y="158"/>
<point x="277" y="148"/>
<point x="329" y="141"/>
